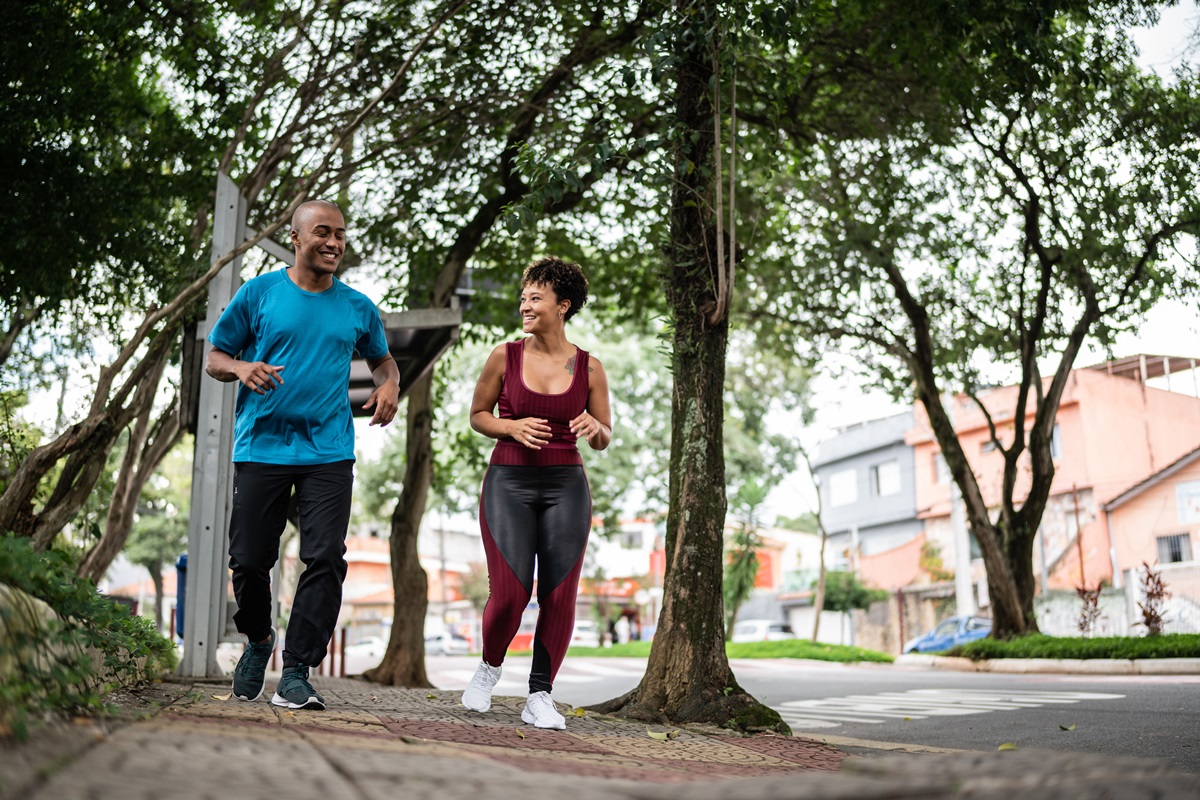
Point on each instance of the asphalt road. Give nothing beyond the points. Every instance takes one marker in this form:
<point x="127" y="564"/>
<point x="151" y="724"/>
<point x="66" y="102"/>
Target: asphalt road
<point x="852" y="705"/>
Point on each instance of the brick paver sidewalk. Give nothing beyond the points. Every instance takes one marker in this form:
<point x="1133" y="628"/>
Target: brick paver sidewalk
<point x="387" y="743"/>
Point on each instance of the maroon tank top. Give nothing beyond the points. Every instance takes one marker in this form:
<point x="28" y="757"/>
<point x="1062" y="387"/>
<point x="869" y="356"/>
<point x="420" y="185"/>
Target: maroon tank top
<point x="518" y="401"/>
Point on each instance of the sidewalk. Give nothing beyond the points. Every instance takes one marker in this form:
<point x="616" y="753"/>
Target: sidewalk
<point x="388" y="743"/>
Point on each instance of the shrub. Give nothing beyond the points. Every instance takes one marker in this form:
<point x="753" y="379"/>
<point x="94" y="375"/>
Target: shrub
<point x="1038" y="645"/>
<point x="69" y="663"/>
<point x="1091" y="608"/>
<point x="1154" y="589"/>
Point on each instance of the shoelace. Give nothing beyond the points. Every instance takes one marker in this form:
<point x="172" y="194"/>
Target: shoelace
<point x="482" y="679"/>
<point x="256" y="655"/>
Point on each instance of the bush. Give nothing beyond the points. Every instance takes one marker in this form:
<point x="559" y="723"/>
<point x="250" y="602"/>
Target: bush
<point x="1173" y="645"/>
<point x="67" y="664"/>
<point x="788" y="648"/>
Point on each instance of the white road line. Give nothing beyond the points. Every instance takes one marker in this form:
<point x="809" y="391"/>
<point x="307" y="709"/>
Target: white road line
<point x="920" y="704"/>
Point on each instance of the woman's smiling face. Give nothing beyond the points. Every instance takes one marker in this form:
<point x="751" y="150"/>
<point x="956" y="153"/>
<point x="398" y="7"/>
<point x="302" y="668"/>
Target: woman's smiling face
<point x="540" y="308"/>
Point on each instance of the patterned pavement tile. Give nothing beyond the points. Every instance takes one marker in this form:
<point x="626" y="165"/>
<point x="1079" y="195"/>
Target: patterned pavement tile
<point x="798" y="750"/>
<point x="522" y="736"/>
<point x="688" y="747"/>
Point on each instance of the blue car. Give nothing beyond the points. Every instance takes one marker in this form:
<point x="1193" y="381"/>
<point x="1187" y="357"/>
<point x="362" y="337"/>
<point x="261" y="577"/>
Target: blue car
<point x="949" y="633"/>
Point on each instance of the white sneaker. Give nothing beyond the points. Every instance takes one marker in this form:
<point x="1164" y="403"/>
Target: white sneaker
<point x="541" y="713"/>
<point x="478" y="696"/>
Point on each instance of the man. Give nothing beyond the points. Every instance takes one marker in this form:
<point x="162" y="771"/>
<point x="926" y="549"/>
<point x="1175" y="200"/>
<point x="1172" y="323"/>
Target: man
<point x="288" y="337"/>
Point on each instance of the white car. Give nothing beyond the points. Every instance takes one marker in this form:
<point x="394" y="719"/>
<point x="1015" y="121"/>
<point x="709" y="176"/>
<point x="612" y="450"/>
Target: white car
<point x="447" y="643"/>
<point x="761" y="630"/>
<point x="368" y="647"/>
<point x="586" y="634"/>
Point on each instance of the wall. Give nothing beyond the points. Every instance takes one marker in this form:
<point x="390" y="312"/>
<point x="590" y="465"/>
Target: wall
<point x="1136" y="524"/>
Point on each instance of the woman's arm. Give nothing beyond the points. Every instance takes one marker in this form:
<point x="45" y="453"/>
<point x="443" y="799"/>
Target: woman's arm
<point x="595" y="424"/>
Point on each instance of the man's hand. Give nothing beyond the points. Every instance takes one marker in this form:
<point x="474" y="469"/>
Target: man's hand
<point x="386" y="397"/>
<point x="385" y="400"/>
<point x="258" y="376"/>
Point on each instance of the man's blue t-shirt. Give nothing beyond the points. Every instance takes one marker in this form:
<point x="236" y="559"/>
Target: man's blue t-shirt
<point x="313" y="336"/>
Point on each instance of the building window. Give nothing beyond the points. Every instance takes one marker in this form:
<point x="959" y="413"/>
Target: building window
<point x="885" y="478"/>
<point x="843" y="488"/>
<point x="1173" y="549"/>
<point x="941" y="470"/>
<point x="1187" y="498"/>
<point x="1056" y="442"/>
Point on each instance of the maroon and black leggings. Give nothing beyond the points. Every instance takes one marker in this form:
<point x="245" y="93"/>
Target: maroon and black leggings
<point x="528" y="515"/>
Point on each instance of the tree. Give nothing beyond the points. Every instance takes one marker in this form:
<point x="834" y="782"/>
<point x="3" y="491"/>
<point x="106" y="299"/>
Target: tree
<point x="491" y="171"/>
<point x="688" y="677"/>
<point x="1042" y="209"/>
<point x="287" y="158"/>
<point x="844" y="592"/>
<point x="741" y="568"/>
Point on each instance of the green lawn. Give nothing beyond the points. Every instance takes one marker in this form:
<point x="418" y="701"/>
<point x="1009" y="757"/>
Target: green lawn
<point x="791" y="648"/>
<point x="1172" y="645"/>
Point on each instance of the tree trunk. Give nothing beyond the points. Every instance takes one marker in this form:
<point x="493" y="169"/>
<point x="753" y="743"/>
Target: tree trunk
<point x="404" y="662"/>
<point x="688" y="678"/>
<point x="157" y="576"/>
<point x="145" y="451"/>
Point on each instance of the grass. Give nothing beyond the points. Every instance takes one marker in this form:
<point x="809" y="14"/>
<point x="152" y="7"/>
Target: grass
<point x="1171" y="645"/>
<point x="790" y="648"/>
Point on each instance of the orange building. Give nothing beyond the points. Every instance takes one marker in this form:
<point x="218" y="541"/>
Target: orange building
<point x="1112" y="431"/>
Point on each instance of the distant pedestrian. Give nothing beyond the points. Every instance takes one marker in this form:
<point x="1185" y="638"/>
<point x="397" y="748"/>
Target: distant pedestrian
<point x="296" y="432"/>
<point x="535" y="504"/>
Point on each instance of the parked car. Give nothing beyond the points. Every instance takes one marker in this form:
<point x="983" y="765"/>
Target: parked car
<point x="368" y="647"/>
<point x="950" y="633"/>
<point x="447" y="643"/>
<point x="761" y="630"/>
<point x="586" y="634"/>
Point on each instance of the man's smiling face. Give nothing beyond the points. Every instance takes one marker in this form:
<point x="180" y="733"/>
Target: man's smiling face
<point x="319" y="235"/>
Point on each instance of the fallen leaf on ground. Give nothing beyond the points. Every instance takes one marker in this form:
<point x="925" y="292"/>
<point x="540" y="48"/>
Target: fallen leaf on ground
<point x="431" y="697"/>
<point x="656" y="735"/>
<point x="1070" y="727"/>
<point x="673" y="734"/>
<point x="222" y="697"/>
<point x="410" y="740"/>
<point x="519" y="734"/>
<point x="1007" y="746"/>
<point x="578" y="712"/>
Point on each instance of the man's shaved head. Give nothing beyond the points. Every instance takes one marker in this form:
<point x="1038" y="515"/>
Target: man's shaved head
<point x="307" y="207"/>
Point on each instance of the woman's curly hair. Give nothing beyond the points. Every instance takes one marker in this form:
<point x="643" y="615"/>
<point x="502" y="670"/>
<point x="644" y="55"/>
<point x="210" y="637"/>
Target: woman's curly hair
<point x="565" y="278"/>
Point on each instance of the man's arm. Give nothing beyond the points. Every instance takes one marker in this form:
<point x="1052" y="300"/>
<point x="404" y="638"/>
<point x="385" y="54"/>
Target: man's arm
<point x="386" y="397"/>
<point x="255" y="375"/>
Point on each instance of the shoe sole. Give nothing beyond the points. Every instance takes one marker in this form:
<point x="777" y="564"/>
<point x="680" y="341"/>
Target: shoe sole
<point x="529" y="720"/>
<point x="312" y="703"/>
<point x="249" y="699"/>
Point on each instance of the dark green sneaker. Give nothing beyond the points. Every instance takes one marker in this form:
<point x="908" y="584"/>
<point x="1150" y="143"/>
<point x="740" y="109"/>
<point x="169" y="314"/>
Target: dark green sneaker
<point x="248" y="676"/>
<point x="294" y="690"/>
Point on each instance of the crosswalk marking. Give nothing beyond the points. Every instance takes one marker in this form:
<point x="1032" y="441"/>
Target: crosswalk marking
<point x="875" y="709"/>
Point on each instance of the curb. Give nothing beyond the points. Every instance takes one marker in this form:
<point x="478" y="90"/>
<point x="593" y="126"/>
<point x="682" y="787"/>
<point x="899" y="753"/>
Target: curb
<point x="1056" y="666"/>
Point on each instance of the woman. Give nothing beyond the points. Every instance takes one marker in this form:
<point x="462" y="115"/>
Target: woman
<point x="535" y="502"/>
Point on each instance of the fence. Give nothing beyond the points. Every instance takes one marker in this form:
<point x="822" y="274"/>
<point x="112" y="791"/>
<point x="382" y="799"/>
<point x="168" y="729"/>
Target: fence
<point x="887" y="624"/>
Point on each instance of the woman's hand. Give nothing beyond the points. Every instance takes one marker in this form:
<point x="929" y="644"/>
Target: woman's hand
<point x="530" y="431"/>
<point x="585" y="426"/>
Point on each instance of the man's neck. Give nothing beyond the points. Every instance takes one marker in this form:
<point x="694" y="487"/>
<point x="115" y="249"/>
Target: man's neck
<point x="308" y="279"/>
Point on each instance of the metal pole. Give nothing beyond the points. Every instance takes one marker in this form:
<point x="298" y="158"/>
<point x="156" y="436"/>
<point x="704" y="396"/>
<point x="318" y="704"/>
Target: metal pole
<point x="1078" y="537"/>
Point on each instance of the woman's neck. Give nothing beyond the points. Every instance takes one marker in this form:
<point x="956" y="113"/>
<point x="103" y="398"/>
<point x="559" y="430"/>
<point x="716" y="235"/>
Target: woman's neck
<point x="551" y="344"/>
